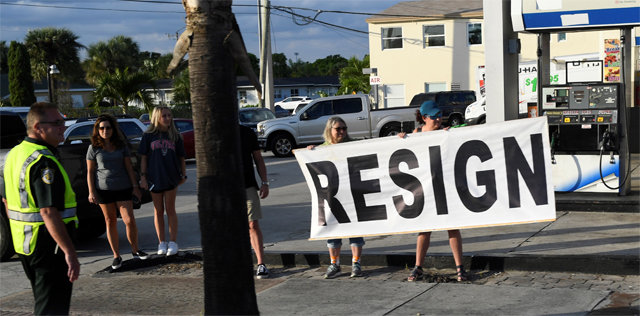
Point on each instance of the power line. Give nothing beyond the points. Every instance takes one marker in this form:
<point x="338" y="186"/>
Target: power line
<point x="85" y="8"/>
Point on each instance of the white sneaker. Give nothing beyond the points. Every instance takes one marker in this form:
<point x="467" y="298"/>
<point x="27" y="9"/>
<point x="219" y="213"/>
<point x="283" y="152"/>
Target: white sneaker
<point x="162" y="248"/>
<point x="172" y="249"/>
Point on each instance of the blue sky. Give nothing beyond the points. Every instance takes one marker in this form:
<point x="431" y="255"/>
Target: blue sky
<point x="154" y="25"/>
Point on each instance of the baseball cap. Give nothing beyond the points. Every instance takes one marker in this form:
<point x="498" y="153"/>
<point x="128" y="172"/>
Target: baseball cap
<point x="429" y="108"/>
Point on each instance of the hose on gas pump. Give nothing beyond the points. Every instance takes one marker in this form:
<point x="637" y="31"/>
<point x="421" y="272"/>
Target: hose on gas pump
<point x="607" y="141"/>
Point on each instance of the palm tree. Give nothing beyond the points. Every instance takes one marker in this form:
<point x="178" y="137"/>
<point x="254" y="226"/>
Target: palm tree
<point x="119" y="52"/>
<point x="123" y="87"/>
<point x="216" y="45"/>
<point x="182" y="87"/>
<point x="351" y="77"/>
<point x="156" y="65"/>
<point x="54" y="46"/>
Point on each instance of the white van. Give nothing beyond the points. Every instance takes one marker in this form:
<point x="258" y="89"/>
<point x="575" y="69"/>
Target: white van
<point x="476" y="113"/>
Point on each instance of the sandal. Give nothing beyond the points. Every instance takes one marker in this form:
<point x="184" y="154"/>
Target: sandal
<point x="462" y="274"/>
<point x="416" y="274"/>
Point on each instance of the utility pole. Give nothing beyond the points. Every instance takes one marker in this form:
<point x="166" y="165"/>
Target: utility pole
<point x="266" y="63"/>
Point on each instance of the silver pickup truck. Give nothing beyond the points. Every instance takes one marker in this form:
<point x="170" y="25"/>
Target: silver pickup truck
<point x="306" y="126"/>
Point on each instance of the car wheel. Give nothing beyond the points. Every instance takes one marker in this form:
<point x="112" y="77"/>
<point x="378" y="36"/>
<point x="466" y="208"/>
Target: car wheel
<point x="455" y="120"/>
<point x="6" y="243"/>
<point x="282" y="145"/>
<point x="390" y="130"/>
<point x="482" y="121"/>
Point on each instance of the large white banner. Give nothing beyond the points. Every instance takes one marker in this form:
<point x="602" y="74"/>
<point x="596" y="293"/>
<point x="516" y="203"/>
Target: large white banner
<point x="477" y="176"/>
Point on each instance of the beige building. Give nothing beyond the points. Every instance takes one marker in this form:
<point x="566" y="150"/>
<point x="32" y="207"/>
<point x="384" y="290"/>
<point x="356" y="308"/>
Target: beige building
<point x="436" y="45"/>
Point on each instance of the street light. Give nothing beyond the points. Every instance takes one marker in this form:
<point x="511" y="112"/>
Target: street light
<point x="53" y="70"/>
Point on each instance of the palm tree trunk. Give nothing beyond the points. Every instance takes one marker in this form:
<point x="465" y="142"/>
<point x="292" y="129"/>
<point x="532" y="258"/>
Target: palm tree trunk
<point x="228" y="269"/>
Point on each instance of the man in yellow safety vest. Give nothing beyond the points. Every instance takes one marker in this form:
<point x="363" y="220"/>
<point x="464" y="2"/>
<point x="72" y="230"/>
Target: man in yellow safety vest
<point x="41" y="207"/>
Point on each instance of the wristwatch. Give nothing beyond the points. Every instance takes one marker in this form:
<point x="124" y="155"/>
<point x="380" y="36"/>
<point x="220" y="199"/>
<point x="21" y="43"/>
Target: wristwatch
<point x="265" y="183"/>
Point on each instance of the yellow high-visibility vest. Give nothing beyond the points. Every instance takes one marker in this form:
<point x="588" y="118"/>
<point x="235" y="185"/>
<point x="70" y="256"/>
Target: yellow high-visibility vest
<point x="24" y="217"/>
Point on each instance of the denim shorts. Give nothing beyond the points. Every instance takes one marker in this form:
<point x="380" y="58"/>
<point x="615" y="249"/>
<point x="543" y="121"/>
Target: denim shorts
<point x="337" y="243"/>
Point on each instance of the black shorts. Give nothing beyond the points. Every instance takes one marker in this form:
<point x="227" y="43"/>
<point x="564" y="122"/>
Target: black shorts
<point x="112" y="196"/>
<point x="162" y="191"/>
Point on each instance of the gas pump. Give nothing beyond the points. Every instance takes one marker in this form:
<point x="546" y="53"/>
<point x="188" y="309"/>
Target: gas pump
<point x="585" y="122"/>
<point x="587" y="117"/>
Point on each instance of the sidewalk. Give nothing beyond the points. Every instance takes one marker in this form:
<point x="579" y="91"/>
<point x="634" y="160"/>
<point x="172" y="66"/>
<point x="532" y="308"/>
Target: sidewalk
<point x="585" y="242"/>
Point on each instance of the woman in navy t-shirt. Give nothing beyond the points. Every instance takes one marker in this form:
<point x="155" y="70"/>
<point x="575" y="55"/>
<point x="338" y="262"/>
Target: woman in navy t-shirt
<point x="162" y="170"/>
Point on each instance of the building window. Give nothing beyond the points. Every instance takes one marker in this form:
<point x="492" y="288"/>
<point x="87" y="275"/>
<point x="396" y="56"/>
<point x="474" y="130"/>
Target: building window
<point x="394" y="95"/>
<point x="433" y="35"/>
<point x="242" y="95"/>
<point x="294" y="92"/>
<point x="474" y="33"/>
<point x="391" y="37"/>
<point x="277" y="94"/>
<point x="435" y="86"/>
<point x="562" y="37"/>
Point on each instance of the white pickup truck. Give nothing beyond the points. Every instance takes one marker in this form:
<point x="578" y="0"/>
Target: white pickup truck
<point x="306" y="126"/>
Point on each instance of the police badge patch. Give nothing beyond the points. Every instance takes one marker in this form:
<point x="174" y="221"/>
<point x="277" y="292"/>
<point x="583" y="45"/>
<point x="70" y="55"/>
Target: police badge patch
<point x="47" y="176"/>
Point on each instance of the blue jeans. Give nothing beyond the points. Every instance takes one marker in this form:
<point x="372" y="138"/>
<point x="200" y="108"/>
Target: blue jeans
<point x="337" y="243"/>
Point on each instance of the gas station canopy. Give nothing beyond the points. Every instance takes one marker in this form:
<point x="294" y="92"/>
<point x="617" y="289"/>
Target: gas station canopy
<point x="548" y="15"/>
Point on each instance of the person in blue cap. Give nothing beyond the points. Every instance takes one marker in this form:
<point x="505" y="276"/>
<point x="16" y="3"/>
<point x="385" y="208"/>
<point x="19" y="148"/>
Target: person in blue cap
<point x="430" y="116"/>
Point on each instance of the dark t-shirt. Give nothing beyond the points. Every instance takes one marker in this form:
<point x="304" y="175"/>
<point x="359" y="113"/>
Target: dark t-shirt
<point x="163" y="160"/>
<point x="249" y="144"/>
<point x="111" y="172"/>
<point x="47" y="183"/>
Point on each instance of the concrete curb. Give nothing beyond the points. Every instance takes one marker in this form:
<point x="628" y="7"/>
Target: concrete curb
<point x="610" y="265"/>
<point x="616" y="265"/>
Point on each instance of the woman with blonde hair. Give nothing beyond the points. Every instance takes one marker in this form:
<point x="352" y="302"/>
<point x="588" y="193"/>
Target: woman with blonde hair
<point x="111" y="182"/>
<point x="336" y="132"/>
<point x="162" y="170"/>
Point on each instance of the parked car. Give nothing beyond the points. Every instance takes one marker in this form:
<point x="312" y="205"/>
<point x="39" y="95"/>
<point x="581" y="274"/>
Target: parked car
<point x="72" y="155"/>
<point x="13" y="131"/>
<point x="185" y="127"/>
<point x="282" y="135"/>
<point x="280" y="112"/>
<point x="452" y="103"/>
<point x="476" y="112"/>
<point x="250" y="117"/>
<point x="72" y="152"/>
<point x="299" y="107"/>
<point x="23" y="111"/>
<point x="290" y="103"/>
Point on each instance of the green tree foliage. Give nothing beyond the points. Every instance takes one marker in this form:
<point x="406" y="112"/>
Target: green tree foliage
<point x="4" y="56"/>
<point x="119" y="52"/>
<point x="123" y="87"/>
<point x="182" y="88"/>
<point x="155" y="64"/>
<point x="329" y="66"/>
<point x="351" y="77"/>
<point x="54" y="46"/>
<point x="301" y="69"/>
<point x="20" y="80"/>
<point x="280" y="67"/>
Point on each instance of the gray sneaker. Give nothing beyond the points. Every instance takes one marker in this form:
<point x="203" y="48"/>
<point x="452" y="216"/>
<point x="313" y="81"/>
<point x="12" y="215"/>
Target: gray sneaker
<point x="332" y="271"/>
<point x="356" y="270"/>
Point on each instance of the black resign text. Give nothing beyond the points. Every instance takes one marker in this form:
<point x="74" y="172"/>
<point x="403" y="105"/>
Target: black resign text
<point x="515" y="164"/>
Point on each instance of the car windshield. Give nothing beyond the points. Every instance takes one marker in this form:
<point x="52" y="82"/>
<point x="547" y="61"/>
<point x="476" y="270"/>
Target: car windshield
<point x="255" y="116"/>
